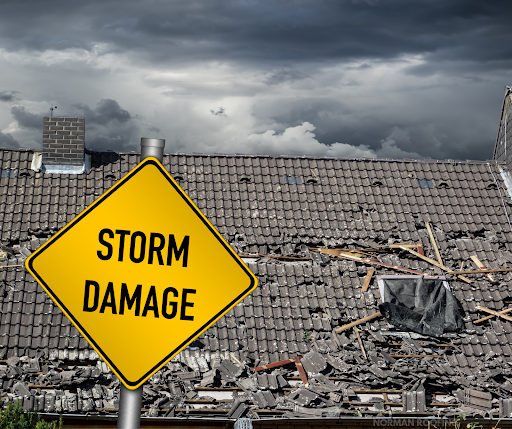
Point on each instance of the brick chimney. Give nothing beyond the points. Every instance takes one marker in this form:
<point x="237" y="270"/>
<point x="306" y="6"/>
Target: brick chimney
<point x="63" y="141"/>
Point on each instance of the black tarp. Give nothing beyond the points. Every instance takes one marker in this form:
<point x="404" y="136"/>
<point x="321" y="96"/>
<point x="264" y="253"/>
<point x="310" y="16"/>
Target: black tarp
<point x="421" y="305"/>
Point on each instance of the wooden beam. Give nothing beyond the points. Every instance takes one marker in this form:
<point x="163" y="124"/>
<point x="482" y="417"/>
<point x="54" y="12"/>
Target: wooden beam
<point x="358" y="322"/>
<point x="508" y="310"/>
<point x="481" y="266"/>
<point x="367" y="280"/>
<point x="497" y="270"/>
<point x="396" y="246"/>
<point x="434" y="244"/>
<point x="274" y="364"/>
<point x="300" y="368"/>
<point x="360" y="342"/>
<point x="382" y="264"/>
<point x="340" y="252"/>
<point x="416" y="356"/>
<point x="436" y="264"/>
<point x="385" y="344"/>
<point x="495" y="313"/>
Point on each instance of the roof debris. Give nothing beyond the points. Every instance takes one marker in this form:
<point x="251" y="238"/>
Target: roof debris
<point x="319" y="250"/>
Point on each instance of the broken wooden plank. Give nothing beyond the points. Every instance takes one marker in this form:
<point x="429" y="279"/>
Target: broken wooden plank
<point x="435" y="263"/>
<point x="420" y="344"/>
<point x="496" y="270"/>
<point x="342" y="252"/>
<point x="492" y="315"/>
<point x="274" y="364"/>
<point x="382" y="264"/>
<point x="367" y="280"/>
<point x="360" y="342"/>
<point x="434" y="244"/>
<point x="358" y="322"/>
<point x="377" y="391"/>
<point x="397" y="245"/>
<point x="277" y="257"/>
<point x="292" y="258"/>
<point x="416" y="356"/>
<point x="300" y="368"/>
<point x="481" y="266"/>
<point x="495" y="313"/>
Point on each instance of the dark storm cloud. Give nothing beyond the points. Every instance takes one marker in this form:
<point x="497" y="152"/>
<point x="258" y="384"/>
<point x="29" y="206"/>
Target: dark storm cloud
<point x="7" y="140"/>
<point x="27" y="119"/>
<point x="440" y="129"/>
<point x="284" y="43"/>
<point x="8" y="96"/>
<point x="105" y="112"/>
<point x="108" y="126"/>
<point x="255" y="31"/>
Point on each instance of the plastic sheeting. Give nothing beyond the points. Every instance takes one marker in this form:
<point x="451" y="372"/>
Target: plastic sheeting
<point x="421" y="305"/>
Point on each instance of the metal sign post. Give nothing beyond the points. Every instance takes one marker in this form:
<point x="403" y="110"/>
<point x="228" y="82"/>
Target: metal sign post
<point x="130" y="404"/>
<point x="130" y="401"/>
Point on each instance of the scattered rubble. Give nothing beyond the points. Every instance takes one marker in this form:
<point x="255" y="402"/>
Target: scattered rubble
<point x="342" y="382"/>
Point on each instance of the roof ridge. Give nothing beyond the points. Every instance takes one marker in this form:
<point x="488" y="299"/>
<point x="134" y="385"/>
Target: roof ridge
<point x="240" y="155"/>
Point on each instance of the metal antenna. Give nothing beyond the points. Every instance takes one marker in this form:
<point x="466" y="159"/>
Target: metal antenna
<point x="51" y="109"/>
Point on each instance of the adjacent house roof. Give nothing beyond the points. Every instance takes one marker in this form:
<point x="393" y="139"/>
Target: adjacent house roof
<point x="311" y="229"/>
<point x="503" y="146"/>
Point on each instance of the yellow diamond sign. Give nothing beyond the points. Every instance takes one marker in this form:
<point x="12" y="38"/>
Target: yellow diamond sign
<point x="141" y="273"/>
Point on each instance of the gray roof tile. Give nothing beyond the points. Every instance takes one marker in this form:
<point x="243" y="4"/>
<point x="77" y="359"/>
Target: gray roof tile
<point x="294" y="297"/>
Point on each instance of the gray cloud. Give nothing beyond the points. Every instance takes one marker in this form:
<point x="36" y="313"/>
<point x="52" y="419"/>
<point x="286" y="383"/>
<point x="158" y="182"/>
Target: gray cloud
<point x="298" y="31"/>
<point x="221" y="111"/>
<point x="283" y="76"/>
<point x="26" y="119"/>
<point x="9" y="96"/>
<point x="7" y="140"/>
<point x="396" y="77"/>
<point x="105" y="112"/>
<point x="108" y="126"/>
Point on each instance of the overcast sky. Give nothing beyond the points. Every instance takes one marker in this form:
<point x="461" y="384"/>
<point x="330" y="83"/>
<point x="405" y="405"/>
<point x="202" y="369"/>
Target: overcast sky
<point x="354" y="78"/>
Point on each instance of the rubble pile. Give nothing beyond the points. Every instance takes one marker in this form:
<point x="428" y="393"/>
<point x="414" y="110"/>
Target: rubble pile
<point x="197" y="383"/>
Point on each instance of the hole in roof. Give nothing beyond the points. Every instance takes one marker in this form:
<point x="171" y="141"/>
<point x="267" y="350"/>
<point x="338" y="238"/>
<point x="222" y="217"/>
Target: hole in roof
<point x="110" y="176"/>
<point x="425" y="183"/>
<point x="292" y="180"/>
<point x="24" y="174"/>
<point x="244" y="179"/>
<point x="366" y="210"/>
<point x="412" y="175"/>
<point x="178" y="177"/>
<point x="443" y="185"/>
<point x="312" y="180"/>
<point x="377" y="183"/>
<point x="408" y="299"/>
<point x="492" y="185"/>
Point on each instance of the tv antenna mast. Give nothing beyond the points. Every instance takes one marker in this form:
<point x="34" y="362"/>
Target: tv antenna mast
<point x="51" y="109"/>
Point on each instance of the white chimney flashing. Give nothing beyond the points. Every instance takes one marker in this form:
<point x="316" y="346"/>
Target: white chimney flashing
<point x="38" y="166"/>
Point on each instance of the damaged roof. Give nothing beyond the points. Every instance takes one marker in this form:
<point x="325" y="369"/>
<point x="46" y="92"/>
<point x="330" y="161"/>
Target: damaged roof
<point x="312" y="230"/>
